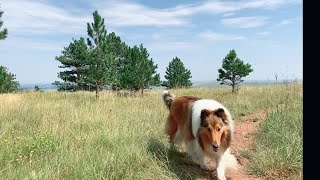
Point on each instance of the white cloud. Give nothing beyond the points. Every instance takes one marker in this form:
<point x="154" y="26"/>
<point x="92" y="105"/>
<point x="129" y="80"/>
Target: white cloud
<point x="34" y="17"/>
<point x="31" y="44"/>
<point x="264" y="33"/>
<point x="229" y="7"/>
<point x="133" y="14"/>
<point x="23" y="16"/>
<point x="268" y="4"/>
<point x="156" y="36"/>
<point x="228" y="14"/>
<point x="209" y="35"/>
<point x="39" y="17"/>
<point x="245" y="22"/>
<point x="172" y="46"/>
<point x="285" y="22"/>
<point x="288" y="21"/>
<point x="127" y="13"/>
<point x="217" y="7"/>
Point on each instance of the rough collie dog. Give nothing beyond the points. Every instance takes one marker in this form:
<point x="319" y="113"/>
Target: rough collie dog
<point x="205" y="126"/>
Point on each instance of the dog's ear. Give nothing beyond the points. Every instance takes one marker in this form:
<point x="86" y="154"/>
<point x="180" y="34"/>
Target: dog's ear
<point x="226" y="138"/>
<point x="203" y="115"/>
<point x="220" y="113"/>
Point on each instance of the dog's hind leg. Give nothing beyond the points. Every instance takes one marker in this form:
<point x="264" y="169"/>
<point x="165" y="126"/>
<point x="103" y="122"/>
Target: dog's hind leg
<point x="171" y="128"/>
<point x="178" y="137"/>
<point x="176" y="140"/>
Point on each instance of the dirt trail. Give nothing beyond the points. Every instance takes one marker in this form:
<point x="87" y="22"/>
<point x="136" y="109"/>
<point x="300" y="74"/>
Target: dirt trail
<point x="244" y="129"/>
<point x="185" y="168"/>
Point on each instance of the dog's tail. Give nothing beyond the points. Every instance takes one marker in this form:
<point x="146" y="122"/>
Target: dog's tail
<point x="167" y="98"/>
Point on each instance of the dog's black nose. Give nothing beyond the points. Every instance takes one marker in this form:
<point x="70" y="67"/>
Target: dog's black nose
<point x="215" y="145"/>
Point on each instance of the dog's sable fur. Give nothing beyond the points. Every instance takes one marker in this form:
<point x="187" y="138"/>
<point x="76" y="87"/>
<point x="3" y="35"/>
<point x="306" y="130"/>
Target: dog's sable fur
<point x="206" y="128"/>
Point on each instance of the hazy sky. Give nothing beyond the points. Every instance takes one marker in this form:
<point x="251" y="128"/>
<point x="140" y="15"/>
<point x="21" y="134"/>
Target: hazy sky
<point x="265" y="33"/>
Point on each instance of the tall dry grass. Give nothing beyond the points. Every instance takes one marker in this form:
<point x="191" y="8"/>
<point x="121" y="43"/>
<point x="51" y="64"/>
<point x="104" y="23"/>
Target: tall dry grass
<point x="58" y="135"/>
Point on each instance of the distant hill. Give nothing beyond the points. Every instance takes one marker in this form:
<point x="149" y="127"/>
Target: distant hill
<point x="246" y="82"/>
<point x="50" y="87"/>
<point x="42" y="86"/>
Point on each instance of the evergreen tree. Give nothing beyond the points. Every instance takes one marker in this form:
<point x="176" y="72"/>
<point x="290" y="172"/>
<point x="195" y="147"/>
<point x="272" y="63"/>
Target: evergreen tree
<point x="102" y="68"/>
<point x="138" y="71"/>
<point x="7" y="81"/>
<point x="116" y="49"/>
<point x="36" y="88"/>
<point x="233" y="70"/>
<point x="177" y="75"/>
<point x="4" y="32"/>
<point x="74" y="59"/>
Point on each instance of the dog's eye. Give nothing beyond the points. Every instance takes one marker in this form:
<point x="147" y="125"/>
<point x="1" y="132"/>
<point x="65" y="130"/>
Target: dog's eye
<point x="218" y="129"/>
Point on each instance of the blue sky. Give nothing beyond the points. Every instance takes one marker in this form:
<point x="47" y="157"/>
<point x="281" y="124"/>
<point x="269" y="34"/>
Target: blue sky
<point x="265" y="33"/>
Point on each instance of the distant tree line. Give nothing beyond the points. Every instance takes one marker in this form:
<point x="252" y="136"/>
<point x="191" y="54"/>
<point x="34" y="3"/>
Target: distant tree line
<point x="103" y="60"/>
<point x="3" y="32"/>
<point x="7" y="79"/>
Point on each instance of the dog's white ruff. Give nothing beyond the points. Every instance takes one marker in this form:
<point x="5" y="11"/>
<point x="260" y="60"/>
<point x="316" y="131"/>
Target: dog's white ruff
<point x="210" y="105"/>
<point x="225" y="159"/>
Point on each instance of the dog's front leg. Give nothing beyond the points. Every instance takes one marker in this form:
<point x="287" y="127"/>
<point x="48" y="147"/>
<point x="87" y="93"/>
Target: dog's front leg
<point x="203" y="164"/>
<point x="196" y="154"/>
<point x="220" y="169"/>
<point x="221" y="173"/>
<point x="199" y="158"/>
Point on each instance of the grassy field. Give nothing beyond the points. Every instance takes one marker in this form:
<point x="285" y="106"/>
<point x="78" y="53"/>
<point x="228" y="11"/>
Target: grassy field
<point x="279" y="141"/>
<point x="57" y="135"/>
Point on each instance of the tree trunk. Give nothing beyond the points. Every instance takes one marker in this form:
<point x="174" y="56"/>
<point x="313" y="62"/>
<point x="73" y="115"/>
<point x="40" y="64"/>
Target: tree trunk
<point x="142" y="92"/>
<point x="77" y="80"/>
<point x="97" y="68"/>
<point x="97" y="90"/>
<point x="233" y="82"/>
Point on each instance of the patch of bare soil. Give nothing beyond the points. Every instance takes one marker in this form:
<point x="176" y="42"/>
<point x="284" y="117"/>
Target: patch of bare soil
<point x="243" y="134"/>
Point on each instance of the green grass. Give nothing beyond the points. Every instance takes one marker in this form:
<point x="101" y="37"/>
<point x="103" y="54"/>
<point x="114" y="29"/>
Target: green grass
<point x="279" y="141"/>
<point x="57" y="135"/>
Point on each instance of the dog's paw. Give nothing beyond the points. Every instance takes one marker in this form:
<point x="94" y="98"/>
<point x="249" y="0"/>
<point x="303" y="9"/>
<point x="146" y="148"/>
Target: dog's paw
<point x="221" y="176"/>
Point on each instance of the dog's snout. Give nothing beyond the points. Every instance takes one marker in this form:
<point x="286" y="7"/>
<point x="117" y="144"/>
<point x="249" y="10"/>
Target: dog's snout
<point x="215" y="145"/>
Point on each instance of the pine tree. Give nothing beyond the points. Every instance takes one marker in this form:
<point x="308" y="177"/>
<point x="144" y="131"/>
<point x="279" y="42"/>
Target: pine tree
<point x="74" y="59"/>
<point x="36" y="88"/>
<point x="177" y="75"/>
<point x="116" y="49"/>
<point x="102" y="69"/>
<point x="233" y="70"/>
<point x="4" y="32"/>
<point x="138" y="71"/>
<point x="7" y="81"/>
